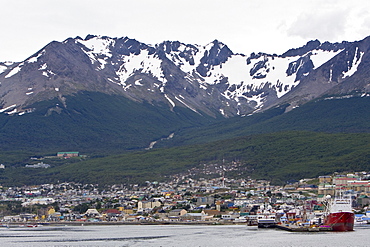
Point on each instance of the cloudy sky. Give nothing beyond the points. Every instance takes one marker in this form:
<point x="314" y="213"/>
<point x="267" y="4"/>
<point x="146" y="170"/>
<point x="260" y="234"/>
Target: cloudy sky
<point x="244" y="25"/>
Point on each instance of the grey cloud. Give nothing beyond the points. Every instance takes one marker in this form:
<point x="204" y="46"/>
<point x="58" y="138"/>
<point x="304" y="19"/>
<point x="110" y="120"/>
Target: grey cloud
<point x="320" y="25"/>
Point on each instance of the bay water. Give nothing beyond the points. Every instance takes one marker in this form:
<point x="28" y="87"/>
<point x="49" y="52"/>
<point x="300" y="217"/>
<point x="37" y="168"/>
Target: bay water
<point x="177" y="235"/>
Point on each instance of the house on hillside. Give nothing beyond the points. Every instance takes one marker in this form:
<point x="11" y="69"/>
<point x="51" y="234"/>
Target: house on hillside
<point x="194" y="216"/>
<point x="203" y="201"/>
<point x="40" y="201"/>
<point x="67" y="154"/>
<point x="92" y="213"/>
<point x="177" y="212"/>
<point x="146" y="206"/>
<point x="343" y="181"/>
<point x="212" y="212"/>
<point x="359" y="186"/>
<point x="325" y="179"/>
<point x="112" y="214"/>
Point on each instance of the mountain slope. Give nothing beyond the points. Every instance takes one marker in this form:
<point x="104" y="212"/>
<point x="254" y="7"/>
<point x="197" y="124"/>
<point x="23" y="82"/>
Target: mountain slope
<point x="104" y="96"/>
<point x="93" y="123"/>
<point x="342" y="114"/>
<point x="210" y="79"/>
<point x="344" y="74"/>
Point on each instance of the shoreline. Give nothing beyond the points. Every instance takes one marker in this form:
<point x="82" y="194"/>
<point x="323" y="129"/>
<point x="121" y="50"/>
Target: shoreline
<point x="105" y="223"/>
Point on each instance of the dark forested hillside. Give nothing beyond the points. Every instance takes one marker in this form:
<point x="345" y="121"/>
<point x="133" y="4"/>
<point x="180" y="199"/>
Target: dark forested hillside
<point x="276" y="156"/>
<point x="331" y="115"/>
<point x="318" y="138"/>
<point x="92" y="123"/>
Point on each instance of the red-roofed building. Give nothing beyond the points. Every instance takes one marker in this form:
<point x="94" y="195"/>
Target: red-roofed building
<point x="360" y="186"/>
<point x="343" y="180"/>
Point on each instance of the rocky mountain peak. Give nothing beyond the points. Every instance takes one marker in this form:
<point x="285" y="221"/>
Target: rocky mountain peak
<point x="209" y="79"/>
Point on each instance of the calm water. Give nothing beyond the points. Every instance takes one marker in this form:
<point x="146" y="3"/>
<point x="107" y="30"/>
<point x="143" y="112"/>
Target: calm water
<point x="177" y="235"/>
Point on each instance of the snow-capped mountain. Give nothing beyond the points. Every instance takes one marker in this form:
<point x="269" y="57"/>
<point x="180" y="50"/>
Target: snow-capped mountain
<point x="208" y="79"/>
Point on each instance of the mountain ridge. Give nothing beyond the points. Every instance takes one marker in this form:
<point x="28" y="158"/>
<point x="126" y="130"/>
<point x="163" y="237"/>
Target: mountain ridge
<point x="210" y="79"/>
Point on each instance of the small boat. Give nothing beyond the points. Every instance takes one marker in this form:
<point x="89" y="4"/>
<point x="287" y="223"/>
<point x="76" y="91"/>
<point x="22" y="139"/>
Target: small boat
<point x="360" y="219"/>
<point x="340" y="216"/>
<point x="304" y="228"/>
<point x="241" y="219"/>
<point x="252" y="220"/>
<point x="33" y="225"/>
<point x="266" y="218"/>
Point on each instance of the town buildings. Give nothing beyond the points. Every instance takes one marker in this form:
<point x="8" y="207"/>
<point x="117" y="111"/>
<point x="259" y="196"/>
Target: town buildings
<point x="183" y="199"/>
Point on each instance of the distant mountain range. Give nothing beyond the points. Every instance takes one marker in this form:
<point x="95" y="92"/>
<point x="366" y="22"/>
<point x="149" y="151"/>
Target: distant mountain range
<point x="208" y="79"/>
<point x="104" y="96"/>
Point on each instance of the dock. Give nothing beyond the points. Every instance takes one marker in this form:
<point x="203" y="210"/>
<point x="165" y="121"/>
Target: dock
<point x="294" y="228"/>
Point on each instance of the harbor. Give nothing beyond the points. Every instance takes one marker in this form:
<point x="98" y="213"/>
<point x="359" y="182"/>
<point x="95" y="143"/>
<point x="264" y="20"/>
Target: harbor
<point x="189" y="201"/>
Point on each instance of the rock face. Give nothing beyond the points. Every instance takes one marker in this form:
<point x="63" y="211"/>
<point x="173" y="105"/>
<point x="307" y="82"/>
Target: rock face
<point x="209" y="79"/>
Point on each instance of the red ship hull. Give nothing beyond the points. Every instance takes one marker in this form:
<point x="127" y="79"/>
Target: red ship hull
<point x="341" y="221"/>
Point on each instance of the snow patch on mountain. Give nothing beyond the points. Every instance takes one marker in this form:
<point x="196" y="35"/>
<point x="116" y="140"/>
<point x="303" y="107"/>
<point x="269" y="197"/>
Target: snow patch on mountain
<point x="143" y="63"/>
<point x="319" y="57"/>
<point x="8" y="108"/>
<point x="2" y="68"/>
<point x="252" y="76"/>
<point x="182" y="102"/>
<point x="352" y="68"/>
<point x="138" y="82"/>
<point x="180" y="60"/>
<point x="15" y="70"/>
<point x="235" y="70"/>
<point x="12" y="112"/>
<point x="169" y="100"/>
<point x="43" y="66"/>
<point x="45" y="71"/>
<point x="98" y="45"/>
<point x="199" y="53"/>
<point x="35" y="58"/>
<point x="274" y="73"/>
<point x="99" y="50"/>
<point x="243" y="77"/>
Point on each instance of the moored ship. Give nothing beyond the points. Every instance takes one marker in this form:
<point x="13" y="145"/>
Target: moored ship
<point x="340" y="216"/>
<point x="266" y="217"/>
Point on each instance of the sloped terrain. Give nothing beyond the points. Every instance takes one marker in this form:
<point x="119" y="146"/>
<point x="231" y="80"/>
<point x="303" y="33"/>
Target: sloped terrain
<point x="279" y="157"/>
<point x="335" y="114"/>
<point x="277" y="115"/>
<point x="92" y="123"/>
<point x="272" y="145"/>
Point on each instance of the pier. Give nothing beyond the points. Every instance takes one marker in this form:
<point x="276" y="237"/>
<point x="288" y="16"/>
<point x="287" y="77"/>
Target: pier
<point x="294" y="228"/>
